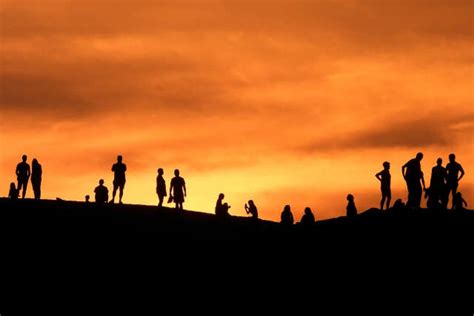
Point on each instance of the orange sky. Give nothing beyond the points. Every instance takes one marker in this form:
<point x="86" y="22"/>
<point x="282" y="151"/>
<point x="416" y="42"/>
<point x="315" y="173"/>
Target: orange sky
<point x="283" y="102"/>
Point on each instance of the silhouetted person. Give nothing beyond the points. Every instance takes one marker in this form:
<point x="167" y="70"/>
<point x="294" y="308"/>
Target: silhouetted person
<point x="13" y="193"/>
<point x="385" y="178"/>
<point x="119" y="169"/>
<point x="87" y="197"/>
<point x="438" y="190"/>
<point x="308" y="218"/>
<point x="453" y="169"/>
<point x="222" y="209"/>
<point x="101" y="193"/>
<point x="412" y="174"/>
<point x="160" y="187"/>
<point x="178" y="190"/>
<point x="458" y="202"/>
<point x="36" y="176"/>
<point x="398" y="205"/>
<point x="23" y="175"/>
<point x="251" y="209"/>
<point x="286" y="216"/>
<point x="351" y="207"/>
<point x="432" y="197"/>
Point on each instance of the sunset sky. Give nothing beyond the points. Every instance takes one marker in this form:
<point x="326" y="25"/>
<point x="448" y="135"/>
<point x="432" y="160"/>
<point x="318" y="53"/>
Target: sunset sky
<point x="282" y="102"/>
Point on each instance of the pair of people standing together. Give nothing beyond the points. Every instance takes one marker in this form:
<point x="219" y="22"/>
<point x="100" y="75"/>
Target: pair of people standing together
<point x="177" y="189"/>
<point x="23" y="174"/>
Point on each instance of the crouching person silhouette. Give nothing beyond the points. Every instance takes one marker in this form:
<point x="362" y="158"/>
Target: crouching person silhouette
<point x="101" y="193"/>
<point x="251" y="209"/>
<point x="287" y="219"/>
<point x="13" y="193"/>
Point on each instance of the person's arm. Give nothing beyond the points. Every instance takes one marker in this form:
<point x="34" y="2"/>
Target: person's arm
<point x="184" y="187"/>
<point x="423" y="181"/>
<point x="379" y="176"/>
<point x="28" y="172"/>
<point x="462" y="172"/>
<point x="17" y="171"/>
<point x="464" y="202"/>
<point x="171" y="188"/>
<point x="404" y="167"/>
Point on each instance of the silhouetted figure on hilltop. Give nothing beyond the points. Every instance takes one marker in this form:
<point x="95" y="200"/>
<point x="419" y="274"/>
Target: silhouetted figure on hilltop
<point x="13" y="193"/>
<point x="178" y="190"/>
<point x="36" y="176"/>
<point x="398" y="205"/>
<point x="307" y="220"/>
<point x="119" y="169"/>
<point x="222" y="209"/>
<point x="286" y="216"/>
<point x="459" y="203"/>
<point x="251" y="209"/>
<point x="87" y="198"/>
<point x="412" y="174"/>
<point x="160" y="187"/>
<point x="101" y="193"/>
<point x="385" y="179"/>
<point x="453" y="169"/>
<point x="438" y="192"/>
<point x="23" y="175"/>
<point x="351" y="208"/>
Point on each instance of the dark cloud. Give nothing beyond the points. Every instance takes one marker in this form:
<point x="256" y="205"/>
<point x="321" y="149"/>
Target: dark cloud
<point x="440" y="130"/>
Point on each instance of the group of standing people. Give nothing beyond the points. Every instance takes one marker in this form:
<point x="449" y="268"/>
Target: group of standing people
<point x="23" y="174"/>
<point x="444" y="181"/>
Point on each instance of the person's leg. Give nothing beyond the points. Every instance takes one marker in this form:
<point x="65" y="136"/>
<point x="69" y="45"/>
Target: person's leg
<point x="382" y="202"/>
<point x="114" y="192"/>
<point x="410" y="194"/>
<point x="418" y="194"/>
<point x="25" y="184"/>
<point x="121" y="193"/>
<point x="160" y="200"/>
<point x="389" y="198"/>
<point x="454" y="189"/>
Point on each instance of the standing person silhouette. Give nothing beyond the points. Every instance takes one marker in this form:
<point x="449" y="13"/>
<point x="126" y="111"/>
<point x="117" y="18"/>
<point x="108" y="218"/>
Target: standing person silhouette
<point x="287" y="217"/>
<point x="36" y="176"/>
<point x="160" y="187"/>
<point x="119" y="169"/>
<point x="453" y="169"/>
<point x="385" y="178"/>
<point x="438" y="184"/>
<point x="412" y="174"/>
<point x="23" y="175"/>
<point x="178" y="190"/>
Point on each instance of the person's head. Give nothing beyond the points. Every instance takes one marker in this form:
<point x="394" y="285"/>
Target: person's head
<point x="119" y="158"/>
<point x="160" y="171"/>
<point x="176" y="172"/>
<point x="386" y="165"/>
<point x="307" y="211"/>
<point x="251" y="202"/>
<point x="12" y="186"/>
<point x="101" y="181"/>
<point x="287" y="208"/>
<point x="23" y="158"/>
<point x="221" y="196"/>
<point x="34" y="162"/>
<point x="452" y="158"/>
<point x="419" y="156"/>
<point x="350" y="197"/>
<point x="87" y="198"/>
<point x="439" y="161"/>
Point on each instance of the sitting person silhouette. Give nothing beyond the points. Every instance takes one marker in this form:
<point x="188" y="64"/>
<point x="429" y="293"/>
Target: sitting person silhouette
<point x="101" y="193"/>
<point x="119" y="169"/>
<point x="384" y="177"/>
<point x="459" y="202"/>
<point x="351" y="207"/>
<point x="251" y="209"/>
<point x="398" y="205"/>
<point x="308" y="218"/>
<point x="87" y="198"/>
<point x="287" y="216"/>
<point x="160" y="187"/>
<point x="222" y="209"/>
<point x="13" y="193"/>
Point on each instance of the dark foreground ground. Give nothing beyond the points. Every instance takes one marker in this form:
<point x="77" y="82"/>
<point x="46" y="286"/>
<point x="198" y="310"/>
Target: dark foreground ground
<point x="56" y="248"/>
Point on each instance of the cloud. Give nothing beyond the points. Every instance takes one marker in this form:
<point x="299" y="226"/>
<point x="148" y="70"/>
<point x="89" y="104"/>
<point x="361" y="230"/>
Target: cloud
<point x="438" y="130"/>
